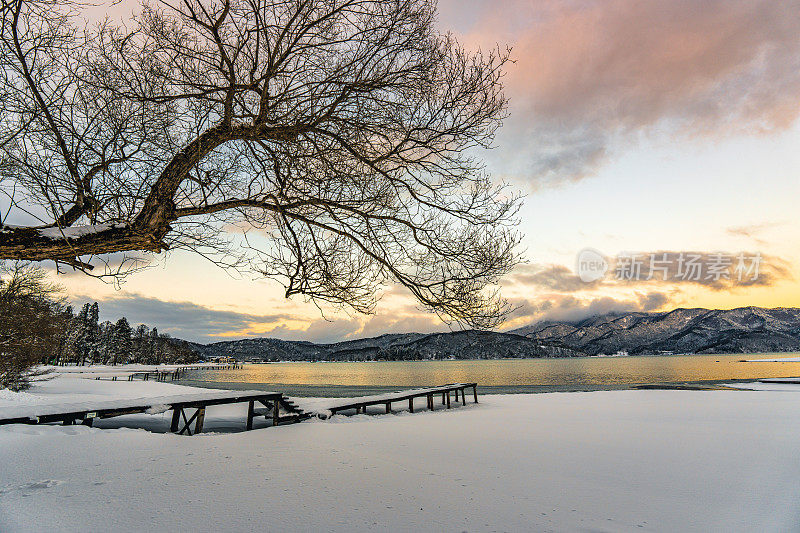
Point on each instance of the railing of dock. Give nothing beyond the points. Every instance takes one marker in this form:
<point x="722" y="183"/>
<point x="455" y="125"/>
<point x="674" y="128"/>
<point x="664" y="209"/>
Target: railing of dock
<point x="360" y="405"/>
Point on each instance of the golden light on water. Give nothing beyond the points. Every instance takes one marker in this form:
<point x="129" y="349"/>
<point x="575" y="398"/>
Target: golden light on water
<point x="588" y="371"/>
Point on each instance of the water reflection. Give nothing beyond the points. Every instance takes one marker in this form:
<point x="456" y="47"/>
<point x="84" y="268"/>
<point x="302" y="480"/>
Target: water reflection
<point x="517" y="375"/>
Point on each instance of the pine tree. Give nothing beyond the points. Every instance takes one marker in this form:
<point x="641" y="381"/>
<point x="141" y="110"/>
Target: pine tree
<point x="155" y="347"/>
<point x="86" y="340"/>
<point x="141" y="341"/>
<point x="106" y="341"/>
<point x="121" y="341"/>
<point x="66" y="321"/>
<point x="80" y="343"/>
<point x="93" y="335"/>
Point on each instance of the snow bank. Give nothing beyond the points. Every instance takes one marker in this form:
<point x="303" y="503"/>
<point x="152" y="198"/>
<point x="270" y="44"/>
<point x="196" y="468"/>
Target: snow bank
<point x="111" y="369"/>
<point x="71" y="388"/>
<point x="644" y="460"/>
<point x="778" y="360"/>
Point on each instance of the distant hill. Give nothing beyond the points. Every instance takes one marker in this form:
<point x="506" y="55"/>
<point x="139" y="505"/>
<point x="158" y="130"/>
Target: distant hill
<point x="393" y="347"/>
<point x="743" y="330"/>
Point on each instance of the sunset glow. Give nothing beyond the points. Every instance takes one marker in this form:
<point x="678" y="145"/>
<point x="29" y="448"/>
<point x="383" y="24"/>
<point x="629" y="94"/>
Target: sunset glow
<point x="633" y="126"/>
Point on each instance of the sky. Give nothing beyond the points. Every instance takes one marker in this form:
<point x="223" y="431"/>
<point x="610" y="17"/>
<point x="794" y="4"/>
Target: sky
<point x="657" y="135"/>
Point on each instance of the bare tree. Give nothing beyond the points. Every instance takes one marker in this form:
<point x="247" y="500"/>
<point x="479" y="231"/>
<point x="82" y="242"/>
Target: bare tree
<point x="335" y="135"/>
<point x="31" y="321"/>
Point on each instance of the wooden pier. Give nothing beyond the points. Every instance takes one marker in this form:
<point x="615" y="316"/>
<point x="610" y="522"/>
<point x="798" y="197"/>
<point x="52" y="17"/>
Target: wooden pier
<point x="361" y="404"/>
<point x="189" y="410"/>
<point x="162" y="374"/>
<point x="86" y="412"/>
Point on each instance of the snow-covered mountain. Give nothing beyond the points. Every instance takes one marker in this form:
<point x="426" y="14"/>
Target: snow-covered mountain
<point x="742" y="330"/>
<point x="401" y="346"/>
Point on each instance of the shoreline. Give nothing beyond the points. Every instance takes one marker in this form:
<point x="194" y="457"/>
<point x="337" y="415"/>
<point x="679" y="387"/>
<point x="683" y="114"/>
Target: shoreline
<point x="336" y="391"/>
<point x="598" y="356"/>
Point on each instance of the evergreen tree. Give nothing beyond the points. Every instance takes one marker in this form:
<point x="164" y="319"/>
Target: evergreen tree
<point x="79" y="339"/>
<point x="106" y="341"/>
<point x="93" y="335"/>
<point x="80" y="342"/>
<point x="155" y="347"/>
<point x="141" y="341"/>
<point x="121" y="342"/>
<point x="86" y="338"/>
<point x="66" y="320"/>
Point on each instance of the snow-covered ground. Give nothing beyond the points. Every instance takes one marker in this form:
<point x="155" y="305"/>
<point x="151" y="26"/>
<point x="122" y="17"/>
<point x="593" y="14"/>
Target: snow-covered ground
<point x="116" y="369"/>
<point x="778" y="360"/>
<point x="647" y="460"/>
<point x="72" y="386"/>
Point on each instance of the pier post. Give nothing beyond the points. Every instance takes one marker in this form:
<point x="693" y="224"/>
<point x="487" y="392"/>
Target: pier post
<point x="388" y="407"/>
<point x="448" y="399"/>
<point x="250" y="409"/>
<point x="176" y="417"/>
<point x="275" y="412"/>
<point x="201" y="415"/>
<point x="411" y="404"/>
<point x="475" y="392"/>
<point x="463" y="398"/>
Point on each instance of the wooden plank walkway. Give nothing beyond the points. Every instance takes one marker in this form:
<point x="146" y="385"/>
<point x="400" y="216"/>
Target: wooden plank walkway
<point x="323" y="408"/>
<point x="159" y="374"/>
<point x="86" y="412"/>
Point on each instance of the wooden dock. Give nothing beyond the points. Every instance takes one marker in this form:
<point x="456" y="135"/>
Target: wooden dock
<point x="87" y="412"/>
<point x="270" y="405"/>
<point x="161" y="374"/>
<point x="360" y="404"/>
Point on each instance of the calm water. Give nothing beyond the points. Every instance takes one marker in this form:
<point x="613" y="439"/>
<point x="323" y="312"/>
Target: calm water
<point x="493" y="376"/>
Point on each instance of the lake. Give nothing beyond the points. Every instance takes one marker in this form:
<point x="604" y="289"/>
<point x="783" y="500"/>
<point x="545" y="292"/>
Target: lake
<point x="493" y="376"/>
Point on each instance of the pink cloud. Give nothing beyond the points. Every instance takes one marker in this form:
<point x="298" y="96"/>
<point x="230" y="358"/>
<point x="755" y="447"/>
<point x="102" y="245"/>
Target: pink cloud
<point x="590" y="75"/>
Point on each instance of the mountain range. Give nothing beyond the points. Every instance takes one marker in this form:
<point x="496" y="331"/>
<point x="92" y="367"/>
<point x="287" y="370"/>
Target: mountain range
<point x="741" y="330"/>
<point x="467" y="344"/>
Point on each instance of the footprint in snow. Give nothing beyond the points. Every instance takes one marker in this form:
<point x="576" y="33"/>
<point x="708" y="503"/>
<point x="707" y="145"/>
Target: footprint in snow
<point x="43" y="484"/>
